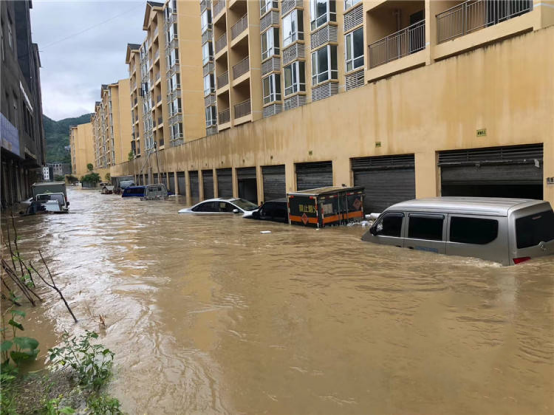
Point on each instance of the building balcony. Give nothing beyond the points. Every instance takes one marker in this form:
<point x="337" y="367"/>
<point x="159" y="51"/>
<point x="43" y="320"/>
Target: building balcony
<point x="207" y="36"/>
<point x="223" y="80"/>
<point x="204" y="4"/>
<point x="397" y="45"/>
<point x="239" y="27"/>
<point x="208" y="68"/>
<point x="241" y="68"/>
<point x="156" y="31"/>
<point x="218" y="7"/>
<point x="243" y="109"/>
<point x="157" y="55"/>
<point x="224" y="116"/>
<point x="220" y="43"/>
<point x="160" y="120"/>
<point x="473" y="15"/>
<point x="288" y="5"/>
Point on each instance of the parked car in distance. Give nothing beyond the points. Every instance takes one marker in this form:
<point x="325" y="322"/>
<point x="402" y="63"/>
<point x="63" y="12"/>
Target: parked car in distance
<point x="222" y="206"/>
<point x="124" y="184"/>
<point x="274" y="210"/>
<point x="508" y="231"/>
<point x="53" y="202"/>
<point x="133" y="191"/>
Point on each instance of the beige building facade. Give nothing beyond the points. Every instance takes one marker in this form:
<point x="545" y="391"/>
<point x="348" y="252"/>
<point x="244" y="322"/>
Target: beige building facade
<point x="452" y="98"/>
<point x="82" y="148"/>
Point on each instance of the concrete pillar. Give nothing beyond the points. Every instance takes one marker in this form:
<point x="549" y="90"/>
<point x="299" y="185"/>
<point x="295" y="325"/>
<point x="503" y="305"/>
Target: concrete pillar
<point x="260" y="184"/>
<point x="548" y="171"/>
<point x="216" y="187"/>
<point x="201" y="184"/>
<point x="187" y="184"/>
<point x="176" y="182"/>
<point x="235" y="183"/>
<point x="290" y="176"/>
<point x="341" y="172"/>
<point x="427" y="175"/>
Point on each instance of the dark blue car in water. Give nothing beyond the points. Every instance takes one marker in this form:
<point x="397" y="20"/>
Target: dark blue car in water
<point x="134" y="191"/>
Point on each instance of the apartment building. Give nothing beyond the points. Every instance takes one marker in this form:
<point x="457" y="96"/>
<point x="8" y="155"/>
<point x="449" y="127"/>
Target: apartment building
<point x="21" y="131"/>
<point x="111" y="125"/>
<point x="81" y="142"/>
<point x="406" y="98"/>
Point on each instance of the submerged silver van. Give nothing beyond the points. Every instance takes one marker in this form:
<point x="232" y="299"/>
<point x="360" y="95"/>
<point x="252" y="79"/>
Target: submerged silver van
<point x="508" y="231"/>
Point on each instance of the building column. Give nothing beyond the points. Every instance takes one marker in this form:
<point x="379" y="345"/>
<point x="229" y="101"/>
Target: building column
<point x="176" y="181"/>
<point x="548" y="171"/>
<point x="216" y="189"/>
<point x="427" y="176"/>
<point x="341" y="172"/>
<point x="290" y="176"/>
<point x="187" y="185"/>
<point x="201" y="185"/>
<point x="260" y="184"/>
<point x="235" y="182"/>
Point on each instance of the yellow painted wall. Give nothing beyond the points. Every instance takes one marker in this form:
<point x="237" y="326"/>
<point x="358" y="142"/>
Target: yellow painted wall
<point x="121" y="107"/>
<point x="506" y="87"/>
<point x="82" y="144"/>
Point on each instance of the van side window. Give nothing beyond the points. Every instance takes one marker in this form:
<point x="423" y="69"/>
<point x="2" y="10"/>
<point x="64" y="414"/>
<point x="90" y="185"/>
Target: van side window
<point x="534" y="229"/>
<point x="425" y="227"/>
<point x="473" y="230"/>
<point x="390" y="225"/>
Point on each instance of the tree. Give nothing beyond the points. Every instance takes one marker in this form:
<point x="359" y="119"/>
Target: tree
<point x="71" y="179"/>
<point x="108" y="177"/>
<point x="90" y="167"/>
<point x="92" y="178"/>
<point x="59" y="178"/>
<point x="131" y="155"/>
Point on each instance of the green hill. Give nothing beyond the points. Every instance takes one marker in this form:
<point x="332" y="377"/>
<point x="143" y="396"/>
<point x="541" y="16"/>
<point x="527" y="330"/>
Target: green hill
<point x="57" y="137"/>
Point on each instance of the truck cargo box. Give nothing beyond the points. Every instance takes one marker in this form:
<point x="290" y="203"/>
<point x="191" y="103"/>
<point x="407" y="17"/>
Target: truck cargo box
<point x="326" y="206"/>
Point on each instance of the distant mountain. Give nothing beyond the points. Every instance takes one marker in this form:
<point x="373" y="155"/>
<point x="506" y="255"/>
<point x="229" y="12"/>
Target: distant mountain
<point x="57" y="137"/>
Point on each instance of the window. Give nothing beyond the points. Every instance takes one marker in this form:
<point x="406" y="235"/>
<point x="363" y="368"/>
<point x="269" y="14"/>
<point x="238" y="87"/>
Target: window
<point x="425" y="227"/>
<point x="390" y="225"/>
<point x="226" y="207"/>
<point x="270" y="43"/>
<point x="473" y="230"/>
<point x="354" y="49"/>
<point x="534" y="229"/>
<point x="207" y="53"/>
<point x="10" y="34"/>
<point x="295" y="78"/>
<point x="176" y="131"/>
<point x="172" y="32"/>
<point x="272" y="88"/>
<point x="322" y="11"/>
<point x="349" y="3"/>
<point x="176" y="106"/>
<point x="206" y="207"/>
<point x="175" y="82"/>
<point x="209" y="84"/>
<point x="324" y="64"/>
<point x="293" y="27"/>
<point x="206" y="20"/>
<point x="211" y="116"/>
<point x="267" y="5"/>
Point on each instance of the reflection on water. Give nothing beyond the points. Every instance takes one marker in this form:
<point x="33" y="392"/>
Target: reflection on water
<point x="207" y="315"/>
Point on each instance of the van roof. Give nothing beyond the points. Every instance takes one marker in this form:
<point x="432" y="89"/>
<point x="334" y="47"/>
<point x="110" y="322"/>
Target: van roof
<point x="474" y="205"/>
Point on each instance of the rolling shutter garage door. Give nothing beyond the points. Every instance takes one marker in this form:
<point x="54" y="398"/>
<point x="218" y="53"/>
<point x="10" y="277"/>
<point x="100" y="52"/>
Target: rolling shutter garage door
<point x="387" y="180"/>
<point x="225" y="182"/>
<point x="182" y="183"/>
<point x="314" y="175"/>
<point x="515" y="171"/>
<point x="274" y="182"/>
<point x="248" y="188"/>
<point x="172" y="182"/>
<point x="194" y="189"/>
<point x="208" y="179"/>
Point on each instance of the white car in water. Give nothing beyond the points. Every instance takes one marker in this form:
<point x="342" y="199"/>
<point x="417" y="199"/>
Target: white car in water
<point x="222" y="206"/>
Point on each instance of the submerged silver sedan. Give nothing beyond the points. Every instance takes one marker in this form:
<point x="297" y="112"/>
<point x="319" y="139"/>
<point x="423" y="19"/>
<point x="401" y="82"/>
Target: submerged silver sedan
<point x="222" y="206"/>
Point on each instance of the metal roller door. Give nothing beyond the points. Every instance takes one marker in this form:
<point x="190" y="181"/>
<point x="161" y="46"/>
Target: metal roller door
<point x="515" y="171"/>
<point x="194" y="189"/>
<point x="314" y="175"/>
<point x="225" y="182"/>
<point x="387" y="180"/>
<point x="182" y="183"/>
<point x="275" y="186"/>
<point x="172" y="182"/>
<point x="208" y="179"/>
<point x="248" y="188"/>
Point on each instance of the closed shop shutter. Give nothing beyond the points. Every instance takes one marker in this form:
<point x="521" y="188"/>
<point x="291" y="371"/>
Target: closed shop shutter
<point x="275" y="186"/>
<point x="248" y="188"/>
<point x="194" y="189"/>
<point x="314" y="175"/>
<point x="514" y="171"/>
<point x="182" y="183"/>
<point x="225" y="182"/>
<point x="172" y="182"/>
<point x="387" y="180"/>
<point x="208" y="178"/>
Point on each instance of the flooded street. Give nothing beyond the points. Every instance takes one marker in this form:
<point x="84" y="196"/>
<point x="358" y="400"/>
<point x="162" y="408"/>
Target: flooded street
<point x="207" y="315"/>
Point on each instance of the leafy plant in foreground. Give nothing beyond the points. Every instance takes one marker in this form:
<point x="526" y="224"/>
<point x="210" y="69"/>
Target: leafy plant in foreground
<point x="104" y="405"/>
<point x="19" y="349"/>
<point x="92" y="362"/>
<point x="52" y="407"/>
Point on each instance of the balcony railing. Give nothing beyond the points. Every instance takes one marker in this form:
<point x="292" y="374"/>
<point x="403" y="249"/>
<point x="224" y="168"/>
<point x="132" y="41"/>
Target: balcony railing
<point x="158" y="98"/>
<point x="155" y="31"/>
<point x="158" y="76"/>
<point x="242" y="109"/>
<point x="239" y="26"/>
<point x="473" y="15"/>
<point x="220" y="43"/>
<point x="224" y="116"/>
<point x="156" y="55"/>
<point x="223" y="79"/>
<point x="398" y="45"/>
<point x="241" y="68"/>
<point x="160" y="120"/>
<point x="219" y="6"/>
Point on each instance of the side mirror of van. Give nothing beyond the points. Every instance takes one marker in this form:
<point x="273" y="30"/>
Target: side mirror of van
<point x="373" y="230"/>
<point x="235" y="211"/>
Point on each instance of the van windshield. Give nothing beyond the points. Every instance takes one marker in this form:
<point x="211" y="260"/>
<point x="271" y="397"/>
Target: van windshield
<point x="533" y="229"/>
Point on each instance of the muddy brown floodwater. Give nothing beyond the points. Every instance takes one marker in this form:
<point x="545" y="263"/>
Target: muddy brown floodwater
<point x="206" y="315"/>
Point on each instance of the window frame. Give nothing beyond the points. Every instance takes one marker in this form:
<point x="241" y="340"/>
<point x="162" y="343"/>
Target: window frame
<point x="274" y="84"/>
<point x="206" y="23"/>
<point x="390" y="214"/>
<point x="430" y="216"/>
<point x="319" y="77"/>
<point x="211" y="118"/>
<point x="272" y="49"/>
<point x="352" y="60"/>
<point x="460" y="238"/>
<point x="296" y="84"/>
<point x="350" y="3"/>
<point x="210" y="57"/>
<point x="330" y="14"/>
<point x="211" y="87"/>
<point x="298" y="32"/>
<point x="267" y="5"/>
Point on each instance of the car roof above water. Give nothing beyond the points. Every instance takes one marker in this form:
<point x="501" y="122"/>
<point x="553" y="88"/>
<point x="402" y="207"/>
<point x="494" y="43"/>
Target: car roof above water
<point x="466" y="205"/>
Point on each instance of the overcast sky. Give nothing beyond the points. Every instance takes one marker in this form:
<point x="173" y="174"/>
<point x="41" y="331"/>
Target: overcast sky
<point x="75" y="64"/>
